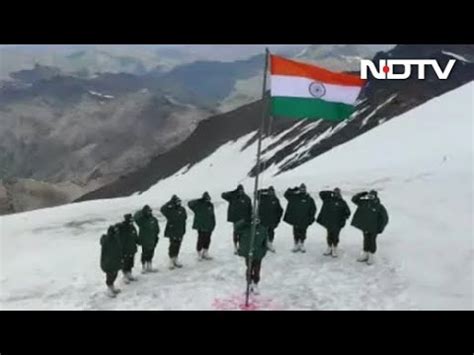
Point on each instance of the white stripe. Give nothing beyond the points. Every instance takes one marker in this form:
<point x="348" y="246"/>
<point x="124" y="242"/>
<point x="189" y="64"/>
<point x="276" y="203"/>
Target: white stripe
<point x="295" y="86"/>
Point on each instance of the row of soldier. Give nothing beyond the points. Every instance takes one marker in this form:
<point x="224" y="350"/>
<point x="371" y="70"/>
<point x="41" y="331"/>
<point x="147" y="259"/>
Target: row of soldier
<point x="119" y="245"/>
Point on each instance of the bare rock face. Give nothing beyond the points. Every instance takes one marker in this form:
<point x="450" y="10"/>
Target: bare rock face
<point x="64" y="130"/>
<point x="18" y="195"/>
<point x="47" y="140"/>
<point x="5" y="203"/>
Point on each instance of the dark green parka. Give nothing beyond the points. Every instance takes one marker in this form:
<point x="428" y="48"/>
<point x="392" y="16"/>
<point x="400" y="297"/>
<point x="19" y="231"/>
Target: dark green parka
<point x="269" y="209"/>
<point x="370" y="216"/>
<point x="244" y="229"/>
<point x="334" y="211"/>
<point x="128" y="237"/>
<point x="148" y="229"/>
<point x="240" y="206"/>
<point x="111" y="251"/>
<point x="204" y="218"/>
<point x="301" y="208"/>
<point x="175" y="220"/>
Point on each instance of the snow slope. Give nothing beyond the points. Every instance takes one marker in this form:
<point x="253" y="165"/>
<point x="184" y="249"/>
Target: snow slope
<point x="421" y="164"/>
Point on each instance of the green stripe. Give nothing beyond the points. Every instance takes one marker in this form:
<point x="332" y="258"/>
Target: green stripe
<point x="312" y="109"/>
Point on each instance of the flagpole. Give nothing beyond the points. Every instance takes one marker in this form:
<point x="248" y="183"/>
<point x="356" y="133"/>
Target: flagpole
<point x="255" y="192"/>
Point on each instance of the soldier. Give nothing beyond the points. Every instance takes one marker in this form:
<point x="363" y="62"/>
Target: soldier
<point x="371" y="218"/>
<point x="111" y="258"/>
<point x="270" y="213"/>
<point x="147" y="236"/>
<point x="129" y="240"/>
<point x="300" y="213"/>
<point x="259" y="250"/>
<point x="175" y="228"/>
<point x="204" y="223"/>
<point x="333" y="216"/>
<point x="240" y="207"/>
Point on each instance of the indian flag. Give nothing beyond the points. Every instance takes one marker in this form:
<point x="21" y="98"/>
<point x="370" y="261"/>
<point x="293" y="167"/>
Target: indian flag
<point x="301" y="90"/>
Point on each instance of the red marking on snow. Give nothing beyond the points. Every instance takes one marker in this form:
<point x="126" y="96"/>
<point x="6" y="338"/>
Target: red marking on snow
<point x="238" y="303"/>
<point x="386" y="69"/>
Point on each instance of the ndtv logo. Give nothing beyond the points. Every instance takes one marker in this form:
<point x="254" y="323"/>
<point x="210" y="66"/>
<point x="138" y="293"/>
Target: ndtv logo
<point x="385" y="70"/>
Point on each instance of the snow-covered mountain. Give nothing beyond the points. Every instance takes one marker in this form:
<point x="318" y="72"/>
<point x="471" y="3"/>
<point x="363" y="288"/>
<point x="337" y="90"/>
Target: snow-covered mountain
<point x="89" y="60"/>
<point x="421" y="164"/>
<point x="379" y="102"/>
<point x="341" y="57"/>
<point x="65" y="135"/>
